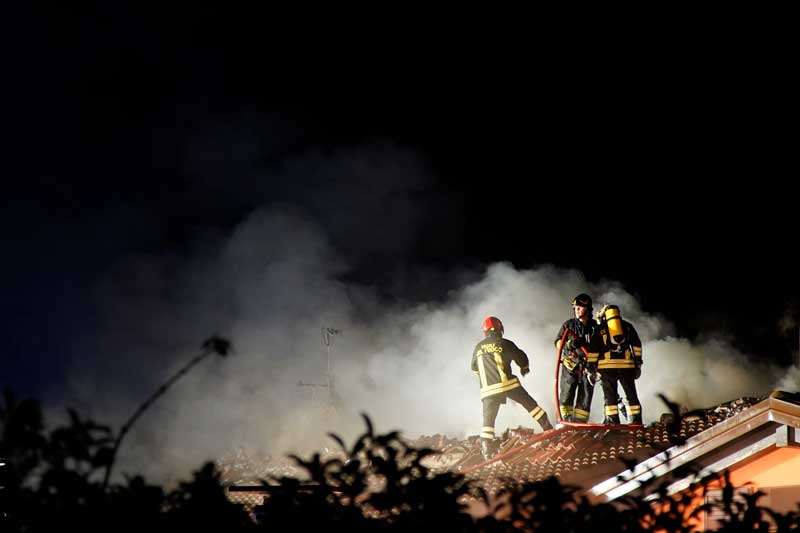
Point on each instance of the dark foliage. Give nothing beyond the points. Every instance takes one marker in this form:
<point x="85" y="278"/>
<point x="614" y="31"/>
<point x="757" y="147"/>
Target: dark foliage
<point x="53" y="482"/>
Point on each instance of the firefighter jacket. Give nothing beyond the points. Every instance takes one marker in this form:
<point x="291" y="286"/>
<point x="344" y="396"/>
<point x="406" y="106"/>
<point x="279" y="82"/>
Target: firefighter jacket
<point x="572" y="357"/>
<point x="491" y="361"/>
<point x="627" y="354"/>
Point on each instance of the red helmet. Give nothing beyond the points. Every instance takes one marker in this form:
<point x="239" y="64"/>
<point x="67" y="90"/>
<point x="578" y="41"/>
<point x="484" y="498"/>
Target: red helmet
<point x="492" y="323"/>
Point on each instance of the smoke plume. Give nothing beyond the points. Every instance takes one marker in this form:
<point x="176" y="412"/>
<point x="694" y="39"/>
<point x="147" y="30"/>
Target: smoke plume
<point x="280" y="277"/>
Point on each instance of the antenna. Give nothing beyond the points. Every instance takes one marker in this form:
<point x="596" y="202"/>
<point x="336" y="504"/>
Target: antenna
<point x="327" y="333"/>
<point x="327" y="339"/>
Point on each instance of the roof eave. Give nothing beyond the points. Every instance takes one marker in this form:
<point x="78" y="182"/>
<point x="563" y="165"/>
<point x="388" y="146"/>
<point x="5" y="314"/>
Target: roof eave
<point x="729" y="442"/>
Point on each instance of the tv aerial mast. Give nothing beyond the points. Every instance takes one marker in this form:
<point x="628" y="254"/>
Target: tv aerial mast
<point x="330" y="383"/>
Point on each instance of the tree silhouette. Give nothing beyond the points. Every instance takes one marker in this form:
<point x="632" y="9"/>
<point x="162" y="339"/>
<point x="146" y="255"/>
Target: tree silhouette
<point x="380" y="483"/>
<point x="215" y="345"/>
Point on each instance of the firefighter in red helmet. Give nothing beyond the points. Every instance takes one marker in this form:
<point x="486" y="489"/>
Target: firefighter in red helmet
<point x="491" y="361"/>
<point x="620" y="362"/>
<point x="581" y="345"/>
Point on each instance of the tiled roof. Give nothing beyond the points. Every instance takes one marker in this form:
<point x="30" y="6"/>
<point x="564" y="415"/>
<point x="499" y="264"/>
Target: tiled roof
<point x="580" y="455"/>
<point x="575" y="455"/>
<point x="738" y="435"/>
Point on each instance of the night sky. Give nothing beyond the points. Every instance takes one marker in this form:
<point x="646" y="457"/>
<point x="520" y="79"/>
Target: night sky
<point x="133" y="133"/>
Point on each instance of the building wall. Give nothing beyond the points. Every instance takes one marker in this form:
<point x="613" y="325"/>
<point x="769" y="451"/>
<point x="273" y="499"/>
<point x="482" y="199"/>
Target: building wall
<point x="779" y="467"/>
<point x="776" y="472"/>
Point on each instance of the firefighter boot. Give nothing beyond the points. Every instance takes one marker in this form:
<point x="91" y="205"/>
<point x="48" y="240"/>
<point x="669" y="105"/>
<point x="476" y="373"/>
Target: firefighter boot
<point x="611" y="420"/>
<point x="545" y="423"/>
<point x="636" y="419"/>
<point x="623" y="410"/>
<point x="487" y="450"/>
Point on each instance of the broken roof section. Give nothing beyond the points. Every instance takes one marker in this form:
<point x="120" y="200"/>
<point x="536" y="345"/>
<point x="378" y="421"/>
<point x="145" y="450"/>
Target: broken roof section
<point x="730" y="435"/>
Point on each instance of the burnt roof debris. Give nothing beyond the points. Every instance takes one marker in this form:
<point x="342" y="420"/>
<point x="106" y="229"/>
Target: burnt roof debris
<point x="576" y="456"/>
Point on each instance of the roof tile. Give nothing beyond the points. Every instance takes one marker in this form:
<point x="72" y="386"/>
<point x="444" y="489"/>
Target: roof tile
<point x="567" y="452"/>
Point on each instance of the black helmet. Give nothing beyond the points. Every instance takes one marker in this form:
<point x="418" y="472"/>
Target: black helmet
<point x="583" y="299"/>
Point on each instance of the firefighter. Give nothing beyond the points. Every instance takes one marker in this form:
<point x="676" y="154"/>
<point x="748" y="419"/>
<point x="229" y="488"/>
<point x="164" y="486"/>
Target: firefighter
<point x="491" y="361"/>
<point x="620" y="362"/>
<point x="578" y="360"/>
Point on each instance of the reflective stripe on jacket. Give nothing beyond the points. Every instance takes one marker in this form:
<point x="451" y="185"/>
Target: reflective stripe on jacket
<point x="491" y="360"/>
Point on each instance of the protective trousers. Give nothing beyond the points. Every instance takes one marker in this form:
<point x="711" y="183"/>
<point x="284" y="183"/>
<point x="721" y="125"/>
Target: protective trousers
<point x="625" y="377"/>
<point x="574" y="395"/>
<point x="491" y="405"/>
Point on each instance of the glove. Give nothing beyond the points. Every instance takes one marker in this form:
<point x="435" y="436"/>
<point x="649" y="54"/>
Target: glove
<point x="638" y="373"/>
<point x="524" y="371"/>
<point x="576" y="343"/>
<point x="593" y="378"/>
